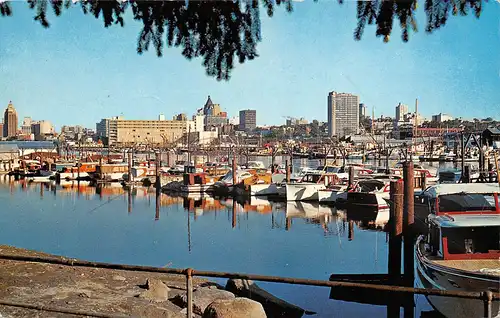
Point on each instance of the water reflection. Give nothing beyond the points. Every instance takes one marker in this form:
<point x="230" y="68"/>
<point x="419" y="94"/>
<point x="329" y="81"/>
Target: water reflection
<point x="331" y="220"/>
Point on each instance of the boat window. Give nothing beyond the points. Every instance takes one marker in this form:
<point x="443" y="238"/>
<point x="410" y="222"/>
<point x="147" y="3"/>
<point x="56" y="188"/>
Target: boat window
<point x="463" y="202"/>
<point x="471" y="240"/>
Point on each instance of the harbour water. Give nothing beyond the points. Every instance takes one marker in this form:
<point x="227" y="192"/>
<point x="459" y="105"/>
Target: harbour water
<point x="113" y="224"/>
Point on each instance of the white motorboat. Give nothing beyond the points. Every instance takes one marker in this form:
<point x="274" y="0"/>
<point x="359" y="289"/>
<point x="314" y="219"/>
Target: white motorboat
<point x="308" y="187"/>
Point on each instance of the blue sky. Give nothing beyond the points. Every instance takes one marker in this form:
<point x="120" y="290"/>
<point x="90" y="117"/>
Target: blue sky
<point x="76" y="71"/>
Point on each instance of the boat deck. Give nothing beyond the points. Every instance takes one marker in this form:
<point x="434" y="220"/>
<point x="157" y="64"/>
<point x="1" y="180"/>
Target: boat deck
<point x="486" y="266"/>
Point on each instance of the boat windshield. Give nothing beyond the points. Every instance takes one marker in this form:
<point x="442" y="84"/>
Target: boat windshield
<point x="328" y="169"/>
<point x="463" y="202"/>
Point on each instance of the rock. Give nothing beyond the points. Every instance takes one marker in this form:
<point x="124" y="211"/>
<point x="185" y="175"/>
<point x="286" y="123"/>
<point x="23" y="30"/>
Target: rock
<point x="202" y="297"/>
<point x="156" y="291"/>
<point x="234" y="308"/>
<point x="274" y="306"/>
<point x="84" y="294"/>
<point x="119" y="278"/>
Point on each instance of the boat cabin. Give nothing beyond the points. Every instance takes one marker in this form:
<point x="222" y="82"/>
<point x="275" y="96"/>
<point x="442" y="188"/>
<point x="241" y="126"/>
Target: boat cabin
<point x="319" y="178"/>
<point x="459" y="198"/>
<point x="464" y="236"/>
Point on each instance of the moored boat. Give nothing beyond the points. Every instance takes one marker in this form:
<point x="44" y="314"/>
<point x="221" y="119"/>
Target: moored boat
<point x="455" y="197"/>
<point x="460" y="253"/>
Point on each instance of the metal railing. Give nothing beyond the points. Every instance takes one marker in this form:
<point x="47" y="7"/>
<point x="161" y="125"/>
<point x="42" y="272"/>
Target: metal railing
<point x="487" y="296"/>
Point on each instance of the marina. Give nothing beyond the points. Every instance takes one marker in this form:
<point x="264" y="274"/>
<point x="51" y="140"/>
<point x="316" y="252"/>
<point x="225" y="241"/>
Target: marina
<point x="345" y="226"/>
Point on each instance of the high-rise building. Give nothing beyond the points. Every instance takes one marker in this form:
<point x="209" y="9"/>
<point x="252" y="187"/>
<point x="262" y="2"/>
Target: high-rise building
<point x="401" y="111"/>
<point x="248" y="119"/>
<point x="26" y="126"/>
<point x="102" y="127"/>
<point x="181" y="117"/>
<point x="199" y="122"/>
<point x="343" y="114"/>
<point x="41" y="128"/>
<point x="362" y="110"/>
<point x="121" y="131"/>
<point x="439" y="118"/>
<point x="214" y="116"/>
<point x="10" y="121"/>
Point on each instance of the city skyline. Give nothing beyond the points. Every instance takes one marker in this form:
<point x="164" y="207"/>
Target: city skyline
<point x="108" y="78"/>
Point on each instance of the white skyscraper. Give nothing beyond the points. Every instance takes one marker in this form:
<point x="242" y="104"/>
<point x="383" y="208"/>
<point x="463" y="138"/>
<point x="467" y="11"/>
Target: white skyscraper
<point x="343" y="114"/>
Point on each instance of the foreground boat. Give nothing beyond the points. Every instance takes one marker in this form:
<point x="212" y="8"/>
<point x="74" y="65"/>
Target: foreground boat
<point x="459" y="197"/>
<point x="460" y="253"/>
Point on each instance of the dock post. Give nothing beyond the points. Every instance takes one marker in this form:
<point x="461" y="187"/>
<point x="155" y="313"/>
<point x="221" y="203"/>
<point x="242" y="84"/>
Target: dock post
<point x="287" y="167"/>
<point x="490" y="171"/>
<point x="351" y="176"/>
<point x="395" y="231"/>
<point x="423" y="180"/>
<point x="350" y="235"/>
<point x="466" y="174"/>
<point x="157" y="173"/>
<point x="234" y="173"/>
<point x="157" y="207"/>
<point x="408" y="222"/>
<point x="233" y="215"/>
<point x="129" y="167"/>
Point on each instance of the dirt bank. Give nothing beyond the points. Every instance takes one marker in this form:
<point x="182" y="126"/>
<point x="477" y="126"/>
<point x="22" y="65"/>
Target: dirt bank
<point x="85" y="289"/>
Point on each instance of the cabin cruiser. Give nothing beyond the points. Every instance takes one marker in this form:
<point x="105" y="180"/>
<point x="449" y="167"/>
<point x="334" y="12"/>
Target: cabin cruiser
<point x="80" y="170"/>
<point x="460" y="253"/>
<point x="455" y="197"/>
<point x="111" y="172"/>
<point x="370" y="193"/>
<point x="307" y="188"/>
<point x="256" y="165"/>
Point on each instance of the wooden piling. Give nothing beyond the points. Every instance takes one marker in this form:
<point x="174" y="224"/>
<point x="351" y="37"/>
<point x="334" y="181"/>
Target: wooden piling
<point x="287" y="166"/>
<point x="395" y="232"/>
<point x="351" y="176"/>
<point x="129" y="201"/>
<point x="423" y="180"/>
<point x="408" y="222"/>
<point x="157" y="173"/>
<point x="157" y="208"/>
<point x="129" y="166"/>
<point x="234" y="173"/>
<point x="466" y="175"/>
<point x="233" y="218"/>
<point x="490" y="171"/>
<point x="350" y="235"/>
<point x="496" y="167"/>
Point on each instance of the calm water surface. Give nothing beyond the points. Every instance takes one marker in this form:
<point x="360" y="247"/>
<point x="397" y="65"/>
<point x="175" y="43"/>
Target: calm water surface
<point x="110" y="224"/>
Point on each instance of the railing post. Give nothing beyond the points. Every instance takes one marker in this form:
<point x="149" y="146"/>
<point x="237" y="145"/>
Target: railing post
<point x="487" y="298"/>
<point x="189" y="290"/>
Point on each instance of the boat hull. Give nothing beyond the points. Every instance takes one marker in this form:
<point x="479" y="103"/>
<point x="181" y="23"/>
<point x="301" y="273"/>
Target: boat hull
<point x="197" y="188"/>
<point x="264" y="189"/>
<point x="376" y="200"/>
<point x="430" y="275"/>
<point x="72" y="175"/>
<point x="331" y="196"/>
<point x="303" y="191"/>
